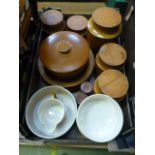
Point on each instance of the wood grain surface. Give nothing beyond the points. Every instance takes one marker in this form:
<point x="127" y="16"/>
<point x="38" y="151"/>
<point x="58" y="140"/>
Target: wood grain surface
<point x="107" y="17"/>
<point x="113" y="83"/>
<point x="112" y="54"/>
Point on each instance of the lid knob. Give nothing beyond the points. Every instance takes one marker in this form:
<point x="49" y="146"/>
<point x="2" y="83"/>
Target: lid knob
<point x="64" y="46"/>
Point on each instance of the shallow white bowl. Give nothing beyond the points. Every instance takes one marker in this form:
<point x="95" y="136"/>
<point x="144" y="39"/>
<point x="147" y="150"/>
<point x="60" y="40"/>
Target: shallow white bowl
<point x="40" y="96"/>
<point x="99" y="118"/>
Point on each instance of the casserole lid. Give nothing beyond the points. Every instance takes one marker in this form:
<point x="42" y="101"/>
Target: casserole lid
<point x="64" y="52"/>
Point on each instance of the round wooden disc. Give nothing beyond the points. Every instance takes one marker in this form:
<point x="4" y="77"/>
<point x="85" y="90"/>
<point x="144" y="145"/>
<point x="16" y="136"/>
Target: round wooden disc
<point x="98" y="91"/>
<point x="52" y="17"/>
<point x="77" y="23"/>
<point x="113" y="83"/>
<point x="107" y="17"/>
<point x="68" y="84"/>
<point x="112" y="54"/>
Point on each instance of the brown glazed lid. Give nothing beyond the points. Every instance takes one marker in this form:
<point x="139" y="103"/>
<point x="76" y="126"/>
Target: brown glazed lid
<point x="113" y="83"/>
<point x="112" y="54"/>
<point x="51" y="17"/>
<point x="64" y="52"/>
<point x="77" y="23"/>
<point x="107" y="17"/>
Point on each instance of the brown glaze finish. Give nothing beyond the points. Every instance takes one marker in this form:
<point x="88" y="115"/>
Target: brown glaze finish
<point x="96" y="42"/>
<point x="107" y="17"/>
<point x="97" y="90"/>
<point x="100" y="66"/>
<point x="72" y="83"/>
<point x="64" y="52"/>
<point x="112" y="54"/>
<point x="51" y="17"/>
<point x="77" y="23"/>
<point x="113" y="83"/>
<point x="52" y="21"/>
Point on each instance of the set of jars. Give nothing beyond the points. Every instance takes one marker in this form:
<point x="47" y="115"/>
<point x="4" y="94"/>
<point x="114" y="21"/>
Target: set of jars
<point x="71" y="61"/>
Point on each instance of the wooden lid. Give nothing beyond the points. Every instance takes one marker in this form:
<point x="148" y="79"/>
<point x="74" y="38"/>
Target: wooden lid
<point x="98" y="32"/>
<point x="77" y="23"/>
<point x="64" y="52"/>
<point x="51" y="17"/>
<point x="112" y="54"/>
<point x="107" y="17"/>
<point x="113" y="83"/>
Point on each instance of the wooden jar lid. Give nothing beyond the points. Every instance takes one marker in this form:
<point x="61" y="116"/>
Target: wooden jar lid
<point x="112" y="54"/>
<point x="77" y="23"/>
<point x="107" y="17"/>
<point x="64" y="52"/>
<point x="113" y="83"/>
<point x="52" y="17"/>
<point x="98" y="32"/>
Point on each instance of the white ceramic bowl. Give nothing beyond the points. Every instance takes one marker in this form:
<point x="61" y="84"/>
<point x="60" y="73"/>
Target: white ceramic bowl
<point x="99" y="118"/>
<point x="38" y="98"/>
<point x="50" y="113"/>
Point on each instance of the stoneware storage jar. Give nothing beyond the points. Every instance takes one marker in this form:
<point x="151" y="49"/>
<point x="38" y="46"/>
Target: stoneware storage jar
<point x="104" y="26"/>
<point x="52" y="21"/>
<point x="110" y="56"/>
<point x="112" y="83"/>
<point x="78" y="24"/>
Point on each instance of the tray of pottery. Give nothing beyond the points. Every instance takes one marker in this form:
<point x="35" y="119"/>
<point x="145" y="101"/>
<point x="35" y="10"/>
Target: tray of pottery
<point x="81" y="82"/>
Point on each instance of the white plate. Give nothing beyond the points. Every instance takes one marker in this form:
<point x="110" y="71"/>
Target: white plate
<point x="99" y="118"/>
<point x="70" y="106"/>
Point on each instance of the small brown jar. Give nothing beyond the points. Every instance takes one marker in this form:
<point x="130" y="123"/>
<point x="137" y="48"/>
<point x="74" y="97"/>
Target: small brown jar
<point x="110" y="56"/>
<point x="113" y="83"/>
<point x="104" y="26"/>
<point x="52" y="21"/>
<point x="78" y="24"/>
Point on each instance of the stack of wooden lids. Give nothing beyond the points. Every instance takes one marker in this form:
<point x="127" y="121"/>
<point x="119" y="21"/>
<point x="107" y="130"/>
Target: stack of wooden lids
<point x="110" y="55"/>
<point x="65" y="54"/>
<point x="78" y="24"/>
<point x="52" y="21"/>
<point x="113" y="83"/>
<point x="105" y="24"/>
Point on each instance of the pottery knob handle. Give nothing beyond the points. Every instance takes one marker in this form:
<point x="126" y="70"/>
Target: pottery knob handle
<point x="63" y="46"/>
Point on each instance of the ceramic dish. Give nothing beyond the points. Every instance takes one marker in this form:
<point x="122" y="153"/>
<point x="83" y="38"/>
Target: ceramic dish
<point x="73" y="82"/>
<point x="40" y="96"/>
<point x="99" y="118"/>
<point x="98" y="32"/>
<point x="52" y="21"/>
<point x="64" y="54"/>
